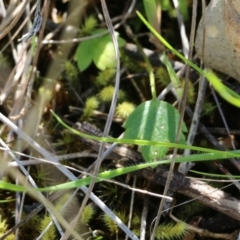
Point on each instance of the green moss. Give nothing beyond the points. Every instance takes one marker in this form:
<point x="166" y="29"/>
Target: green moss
<point x="162" y="76"/>
<point x="104" y="77"/>
<point x="51" y="233"/>
<point x="91" y="104"/>
<point x="71" y="71"/>
<point x="106" y="94"/>
<point x="171" y="231"/>
<point x="124" y="109"/>
<point x="4" y="228"/>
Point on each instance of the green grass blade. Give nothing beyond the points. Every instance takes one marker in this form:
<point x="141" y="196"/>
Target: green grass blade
<point x="117" y="172"/>
<point x="215" y="175"/>
<point x="227" y="154"/>
<point x="223" y="91"/>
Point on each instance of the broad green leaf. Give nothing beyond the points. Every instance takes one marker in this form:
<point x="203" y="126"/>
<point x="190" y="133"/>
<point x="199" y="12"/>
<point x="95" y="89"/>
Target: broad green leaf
<point x="84" y="54"/>
<point x="104" y="54"/>
<point x="100" y="50"/>
<point x="156" y="121"/>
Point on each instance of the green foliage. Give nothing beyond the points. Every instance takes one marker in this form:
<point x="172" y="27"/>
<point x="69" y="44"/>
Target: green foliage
<point x="157" y="121"/>
<point x="105" y="76"/>
<point x="211" y="155"/>
<point x="173" y="76"/>
<point x="162" y="76"/>
<point x="191" y="94"/>
<point x="3" y="229"/>
<point x="88" y="26"/>
<point x="106" y="94"/>
<point x="42" y="175"/>
<point x="167" y="6"/>
<point x="208" y="107"/>
<point x="99" y="50"/>
<point x="91" y="104"/>
<point x="62" y="200"/>
<point x="171" y="231"/>
<point x="42" y="224"/>
<point x="130" y="64"/>
<point x="135" y="225"/>
<point x="71" y="71"/>
<point x="124" y="109"/>
<point x="150" y="7"/>
<point x="87" y="214"/>
<point x="183" y="8"/>
<point x="225" y="92"/>
<point x="110" y="193"/>
<point x="112" y="226"/>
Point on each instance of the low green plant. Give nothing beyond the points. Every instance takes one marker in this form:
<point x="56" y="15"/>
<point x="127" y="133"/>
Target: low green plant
<point x="163" y="145"/>
<point x="105" y="76"/>
<point x="162" y="76"/>
<point x="4" y="228"/>
<point x="171" y="231"/>
<point x="124" y="109"/>
<point x="92" y="103"/>
<point x="110" y="194"/>
<point x="106" y="94"/>
<point x="150" y="7"/>
<point x="89" y="26"/>
<point x="135" y="224"/>
<point x="51" y="232"/>
<point x="111" y="225"/>
<point x="208" y="107"/>
<point x="225" y="92"/>
<point x="191" y="93"/>
<point x="42" y="175"/>
<point x="99" y="50"/>
<point x="71" y="71"/>
<point x="87" y="214"/>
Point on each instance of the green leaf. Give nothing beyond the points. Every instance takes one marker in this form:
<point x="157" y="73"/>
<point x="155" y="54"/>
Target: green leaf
<point x="99" y="50"/>
<point x="104" y="54"/>
<point x="84" y="54"/>
<point x="156" y="121"/>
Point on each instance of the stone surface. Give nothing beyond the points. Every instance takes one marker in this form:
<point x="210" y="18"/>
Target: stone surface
<point x="220" y="47"/>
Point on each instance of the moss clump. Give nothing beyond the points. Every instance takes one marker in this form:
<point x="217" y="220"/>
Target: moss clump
<point x="171" y="231"/>
<point x="124" y="109"/>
